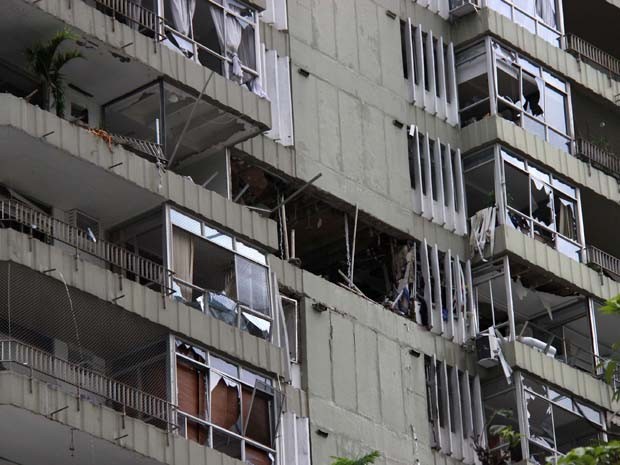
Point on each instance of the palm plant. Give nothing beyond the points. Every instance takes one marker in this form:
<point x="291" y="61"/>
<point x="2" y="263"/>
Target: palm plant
<point x="365" y="460"/>
<point x="46" y="61"/>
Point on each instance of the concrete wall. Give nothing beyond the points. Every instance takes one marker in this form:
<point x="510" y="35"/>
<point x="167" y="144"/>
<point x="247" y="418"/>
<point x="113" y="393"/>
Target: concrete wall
<point x="365" y="387"/>
<point x="344" y="110"/>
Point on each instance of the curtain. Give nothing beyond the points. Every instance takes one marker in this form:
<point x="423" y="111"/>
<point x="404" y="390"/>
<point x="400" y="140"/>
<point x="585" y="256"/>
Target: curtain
<point x="183" y="258"/>
<point x="229" y="28"/>
<point x="252" y="285"/>
<point x="183" y="14"/>
<point x="545" y="10"/>
<point x="566" y="222"/>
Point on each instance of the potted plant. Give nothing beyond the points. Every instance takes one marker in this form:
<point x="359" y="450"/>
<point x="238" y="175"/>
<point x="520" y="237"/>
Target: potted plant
<point x="46" y="61"/>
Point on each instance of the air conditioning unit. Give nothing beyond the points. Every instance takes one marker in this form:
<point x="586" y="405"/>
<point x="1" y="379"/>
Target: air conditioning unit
<point x="487" y="348"/>
<point x="89" y="225"/>
<point x="460" y="8"/>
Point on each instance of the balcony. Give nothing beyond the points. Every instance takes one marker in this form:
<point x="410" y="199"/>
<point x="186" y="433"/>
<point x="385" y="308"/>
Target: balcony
<point x="18" y="216"/>
<point x="86" y="384"/>
<point x="199" y="35"/>
<point x="599" y="157"/>
<point x="604" y="262"/>
<point x="593" y="55"/>
<point x="590" y="28"/>
<point x="220" y="114"/>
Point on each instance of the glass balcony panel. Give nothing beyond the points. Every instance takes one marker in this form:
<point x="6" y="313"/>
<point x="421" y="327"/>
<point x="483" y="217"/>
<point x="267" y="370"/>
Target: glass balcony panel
<point x="534" y="126"/>
<point x="227" y="444"/>
<point x="559" y="141"/>
<point x="524" y="20"/>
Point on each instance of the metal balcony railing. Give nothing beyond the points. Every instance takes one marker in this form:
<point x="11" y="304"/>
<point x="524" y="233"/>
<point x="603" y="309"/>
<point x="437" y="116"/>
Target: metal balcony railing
<point x="601" y="158"/>
<point x="593" y="54"/>
<point x="36" y="363"/>
<point x="137" y="15"/>
<point x="34" y="222"/>
<point x="603" y="261"/>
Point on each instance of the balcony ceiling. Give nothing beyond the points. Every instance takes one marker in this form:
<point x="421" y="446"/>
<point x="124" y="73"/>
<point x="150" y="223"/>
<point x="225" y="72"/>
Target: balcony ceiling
<point x="53" y="177"/>
<point x="595" y="21"/>
<point x="29" y="25"/>
<point x="30" y="439"/>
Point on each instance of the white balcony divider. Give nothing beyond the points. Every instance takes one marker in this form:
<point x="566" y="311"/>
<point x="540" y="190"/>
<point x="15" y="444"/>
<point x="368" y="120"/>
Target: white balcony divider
<point x="439" y="189"/>
<point x="431" y="73"/>
<point x="277" y="78"/>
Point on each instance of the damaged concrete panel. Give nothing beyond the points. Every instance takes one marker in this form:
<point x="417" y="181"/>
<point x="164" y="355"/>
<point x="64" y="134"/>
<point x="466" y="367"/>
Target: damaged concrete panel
<point x="343" y="359"/>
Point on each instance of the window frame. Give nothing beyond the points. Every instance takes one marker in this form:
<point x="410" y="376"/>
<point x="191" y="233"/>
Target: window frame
<point x="490" y="51"/>
<point x="539" y="23"/>
<point x="239" y="250"/>
<point x="531" y="170"/>
<point x="207" y="368"/>
<point x="226" y="9"/>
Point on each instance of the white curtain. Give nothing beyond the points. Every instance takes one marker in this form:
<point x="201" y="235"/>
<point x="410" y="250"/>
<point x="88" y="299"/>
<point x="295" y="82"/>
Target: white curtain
<point x="183" y="14"/>
<point x="183" y="258"/>
<point x="566" y="220"/>
<point x="545" y="9"/>
<point x="229" y="33"/>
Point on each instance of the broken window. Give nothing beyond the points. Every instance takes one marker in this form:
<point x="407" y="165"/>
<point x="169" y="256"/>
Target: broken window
<point x="548" y="318"/>
<point x="500" y="411"/>
<point x="540" y="17"/>
<point x="557" y="422"/>
<point x="520" y="91"/>
<point x="220" y="275"/>
<point x="225" y="406"/>
<point x="220" y="35"/>
<point x="542" y="206"/>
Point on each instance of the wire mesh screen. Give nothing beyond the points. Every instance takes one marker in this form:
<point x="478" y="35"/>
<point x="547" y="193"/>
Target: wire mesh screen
<point x="73" y="339"/>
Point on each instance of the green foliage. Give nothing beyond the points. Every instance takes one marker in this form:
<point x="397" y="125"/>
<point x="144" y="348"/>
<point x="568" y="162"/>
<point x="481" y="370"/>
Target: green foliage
<point x="46" y="61"/>
<point x="602" y="454"/>
<point x="610" y="367"/>
<point x="365" y="460"/>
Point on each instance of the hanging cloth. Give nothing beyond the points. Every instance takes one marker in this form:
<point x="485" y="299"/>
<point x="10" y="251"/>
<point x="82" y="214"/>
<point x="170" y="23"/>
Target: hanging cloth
<point x="183" y="258"/>
<point x="229" y="31"/>
<point x="566" y="222"/>
<point x="183" y="15"/>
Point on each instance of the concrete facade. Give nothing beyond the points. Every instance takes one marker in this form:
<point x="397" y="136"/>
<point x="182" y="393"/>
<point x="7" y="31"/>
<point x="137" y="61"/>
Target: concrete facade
<point x="306" y="280"/>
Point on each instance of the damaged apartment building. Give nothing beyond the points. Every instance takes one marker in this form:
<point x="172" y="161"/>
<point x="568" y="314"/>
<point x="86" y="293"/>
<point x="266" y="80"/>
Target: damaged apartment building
<point x="275" y="232"/>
